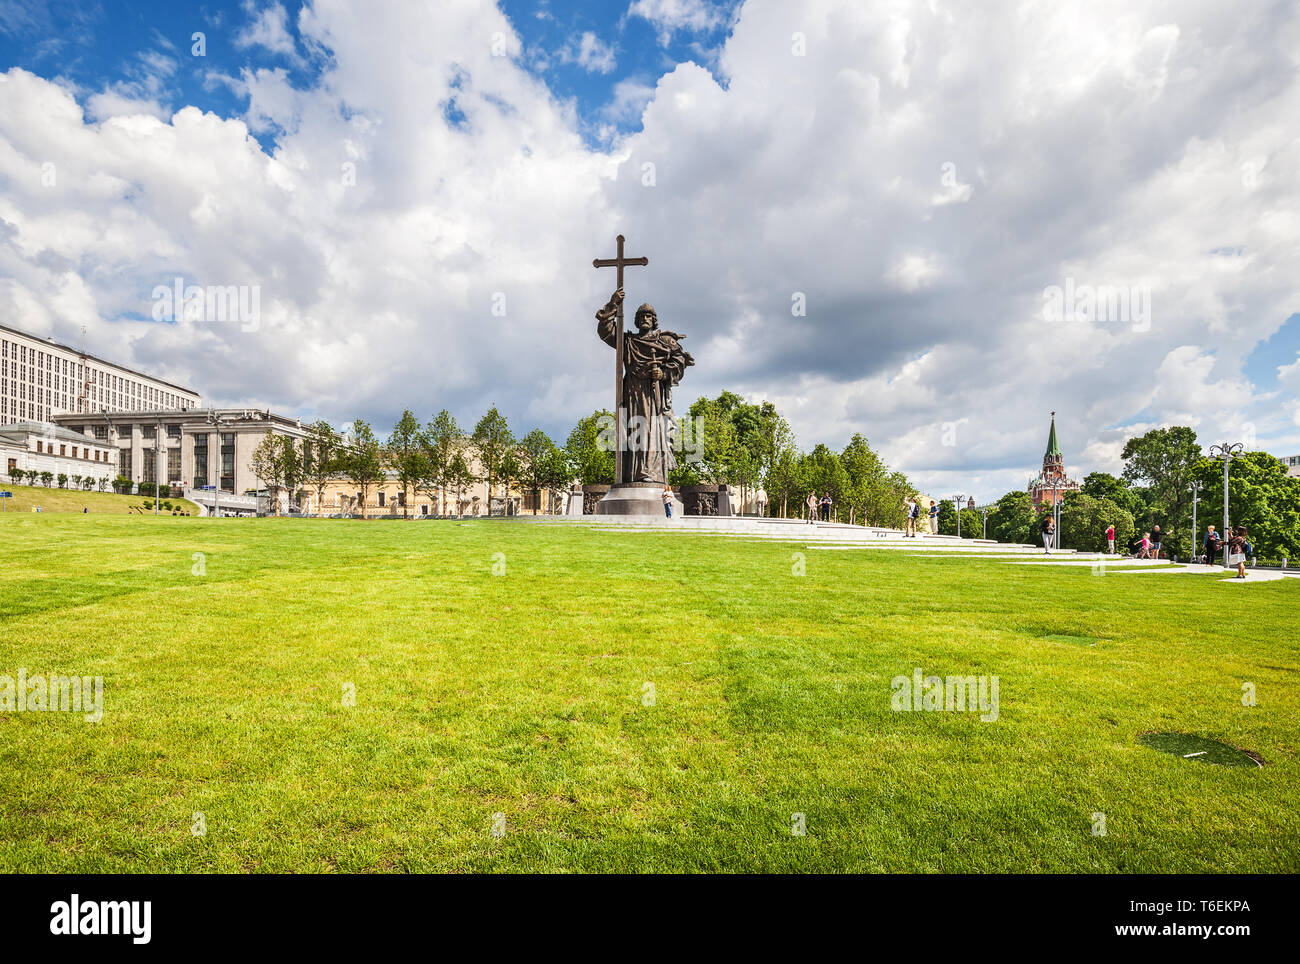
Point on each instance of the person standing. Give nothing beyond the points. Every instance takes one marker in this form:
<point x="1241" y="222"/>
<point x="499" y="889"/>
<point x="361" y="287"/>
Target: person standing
<point x="1237" y="550"/>
<point x="1110" y="539"/>
<point x="826" y="507"/>
<point x="909" y="509"/>
<point x="668" y="500"/>
<point x="934" y="518"/>
<point x="1049" y="534"/>
<point x="1155" y="542"/>
<point x="1144" y="547"/>
<point x="1211" y="546"/>
<point x="811" y="503"/>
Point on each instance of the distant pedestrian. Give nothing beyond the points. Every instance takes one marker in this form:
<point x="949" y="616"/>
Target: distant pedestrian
<point x="1237" y="550"/>
<point x="668" y="500"/>
<point x="910" y="509"/>
<point x="1144" y="546"/>
<point x="1110" y="539"/>
<point x="1211" y="546"/>
<point x="811" y="503"/>
<point x="1049" y="534"/>
<point x="826" y="507"/>
<point x="934" y="518"/>
<point x="1155" y="542"/>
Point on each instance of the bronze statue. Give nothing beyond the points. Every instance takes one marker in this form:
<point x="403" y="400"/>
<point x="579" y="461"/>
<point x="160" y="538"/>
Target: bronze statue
<point x="653" y="362"/>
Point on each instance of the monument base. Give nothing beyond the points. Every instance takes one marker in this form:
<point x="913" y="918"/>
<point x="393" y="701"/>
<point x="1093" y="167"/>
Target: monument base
<point x="636" y="498"/>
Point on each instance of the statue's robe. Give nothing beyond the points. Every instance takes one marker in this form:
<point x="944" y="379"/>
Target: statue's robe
<point x="647" y="401"/>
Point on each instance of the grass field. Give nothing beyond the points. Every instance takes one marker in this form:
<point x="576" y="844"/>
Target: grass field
<point x="524" y="693"/>
<point x="71" y="500"/>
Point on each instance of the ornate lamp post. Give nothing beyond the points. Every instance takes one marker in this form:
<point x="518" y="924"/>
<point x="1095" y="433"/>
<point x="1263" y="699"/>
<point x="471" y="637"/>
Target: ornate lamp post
<point x="956" y="501"/>
<point x="1225" y="452"/>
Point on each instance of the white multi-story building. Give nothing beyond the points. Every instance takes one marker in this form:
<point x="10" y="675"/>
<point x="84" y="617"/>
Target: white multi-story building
<point x="36" y="447"/>
<point x="1292" y="463"/>
<point x="39" y="379"/>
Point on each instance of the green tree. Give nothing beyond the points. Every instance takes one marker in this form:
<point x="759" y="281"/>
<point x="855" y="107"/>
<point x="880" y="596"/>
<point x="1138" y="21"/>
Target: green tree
<point x="322" y="455"/>
<point x="1012" y="519"/>
<point x="590" y="449"/>
<point x="496" y="451"/>
<point x="1084" y="520"/>
<point x="408" y="453"/>
<point x="542" y="465"/>
<point x="47" y="478"/>
<point x="1103" y="485"/>
<point x="458" y="477"/>
<point x="1165" y="459"/>
<point x="1261" y="497"/>
<point x="443" y="440"/>
<point x="17" y="475"/>
<point x="947" y="518"/>
<point x="783" y="481"/>
<point x="363" y="464"/>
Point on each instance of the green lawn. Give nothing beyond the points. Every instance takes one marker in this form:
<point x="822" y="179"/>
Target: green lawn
<point x="54" y="499"/>
<point x="525" y="694"/>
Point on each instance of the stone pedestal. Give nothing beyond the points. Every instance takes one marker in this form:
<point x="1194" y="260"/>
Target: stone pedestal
<point x="574" y="506"/>
<point x="636" y="498"/>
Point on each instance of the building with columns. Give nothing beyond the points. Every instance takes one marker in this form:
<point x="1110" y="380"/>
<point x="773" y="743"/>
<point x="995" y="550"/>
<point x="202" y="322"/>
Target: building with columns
<point x="188" y="450"/>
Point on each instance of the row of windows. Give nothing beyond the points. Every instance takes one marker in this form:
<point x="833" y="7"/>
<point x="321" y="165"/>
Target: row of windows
<point x="47" y="448"/>
<point x="67" y="379"/>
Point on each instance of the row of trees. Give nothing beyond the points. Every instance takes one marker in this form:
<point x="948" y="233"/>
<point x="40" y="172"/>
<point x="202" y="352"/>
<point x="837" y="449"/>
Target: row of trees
<point x="724" y="440"/>
<point x="86" y="483"/>
<point x="1156" y="488"/>
<point x="434" y="458"/>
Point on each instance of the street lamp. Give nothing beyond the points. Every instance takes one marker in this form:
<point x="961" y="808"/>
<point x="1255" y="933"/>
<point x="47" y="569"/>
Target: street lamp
<point x="1225" y="452"/>
<point x="956" y="499"/>
<point x="213" y="419"/>
<point x="1196" y="533"/>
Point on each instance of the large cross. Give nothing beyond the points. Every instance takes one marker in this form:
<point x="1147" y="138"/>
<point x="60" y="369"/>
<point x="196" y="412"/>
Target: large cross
<point x="619" y="262"/>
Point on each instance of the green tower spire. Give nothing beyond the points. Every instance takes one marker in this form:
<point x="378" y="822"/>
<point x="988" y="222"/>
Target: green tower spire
<point x="1052" y="447"/>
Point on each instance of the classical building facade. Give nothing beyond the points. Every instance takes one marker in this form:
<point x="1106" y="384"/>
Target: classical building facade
<point x="1052" y="483"/>
<point x="40" y="378"/>
<point x="197" y="450"/>
<point x="36" y="447"/>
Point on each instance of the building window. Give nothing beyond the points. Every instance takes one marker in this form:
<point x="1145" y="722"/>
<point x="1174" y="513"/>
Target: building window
<point x="124" y="463"/>
<point x="146" y="431"/>
<point x="173" y="431"/>
<point x="173" y="464"/>
<point x="381" y="498"/>
<point x="200" y="460"/>
<point x="149" y="469"/>
<point x="228" y="461"/>
<point x="101" y="432"/>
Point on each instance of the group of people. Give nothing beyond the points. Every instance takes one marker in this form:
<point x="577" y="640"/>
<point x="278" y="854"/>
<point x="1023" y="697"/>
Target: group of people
<point x="1148" y="546"/>
<point x="818" y="508"/>
<point x="912" y="510"/>
<point x="1239" y="548"/>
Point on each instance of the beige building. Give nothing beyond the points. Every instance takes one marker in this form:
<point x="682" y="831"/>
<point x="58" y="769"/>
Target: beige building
<point x="199" y="451"/>
<point x="40" y="379"/>
<point x="342" y="497"/>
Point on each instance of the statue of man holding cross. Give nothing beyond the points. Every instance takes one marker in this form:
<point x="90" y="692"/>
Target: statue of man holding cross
<point x="649" y="362"/>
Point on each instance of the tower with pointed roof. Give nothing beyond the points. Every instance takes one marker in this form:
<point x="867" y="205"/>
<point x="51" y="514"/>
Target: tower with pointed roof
<point x="1052" y="482"/>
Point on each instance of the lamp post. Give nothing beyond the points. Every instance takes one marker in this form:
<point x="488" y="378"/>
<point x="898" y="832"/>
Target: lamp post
<point x="984" y="511"/>
<point x="956" y="500"/>
<point x="213" y="419"/>
<point x="1225" y="452"/>
<point x="1196" y="533"/>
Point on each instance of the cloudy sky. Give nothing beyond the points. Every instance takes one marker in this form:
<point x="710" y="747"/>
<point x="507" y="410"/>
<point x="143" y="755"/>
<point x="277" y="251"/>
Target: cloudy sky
<point x="930" y="222"/>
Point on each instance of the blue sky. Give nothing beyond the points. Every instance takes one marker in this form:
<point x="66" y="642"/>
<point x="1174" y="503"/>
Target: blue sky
<point x="917" y="174"/>
<point x="596" y="55"/>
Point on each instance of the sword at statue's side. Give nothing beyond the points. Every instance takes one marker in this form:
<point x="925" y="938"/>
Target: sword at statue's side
<point x="619" y="262"/>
